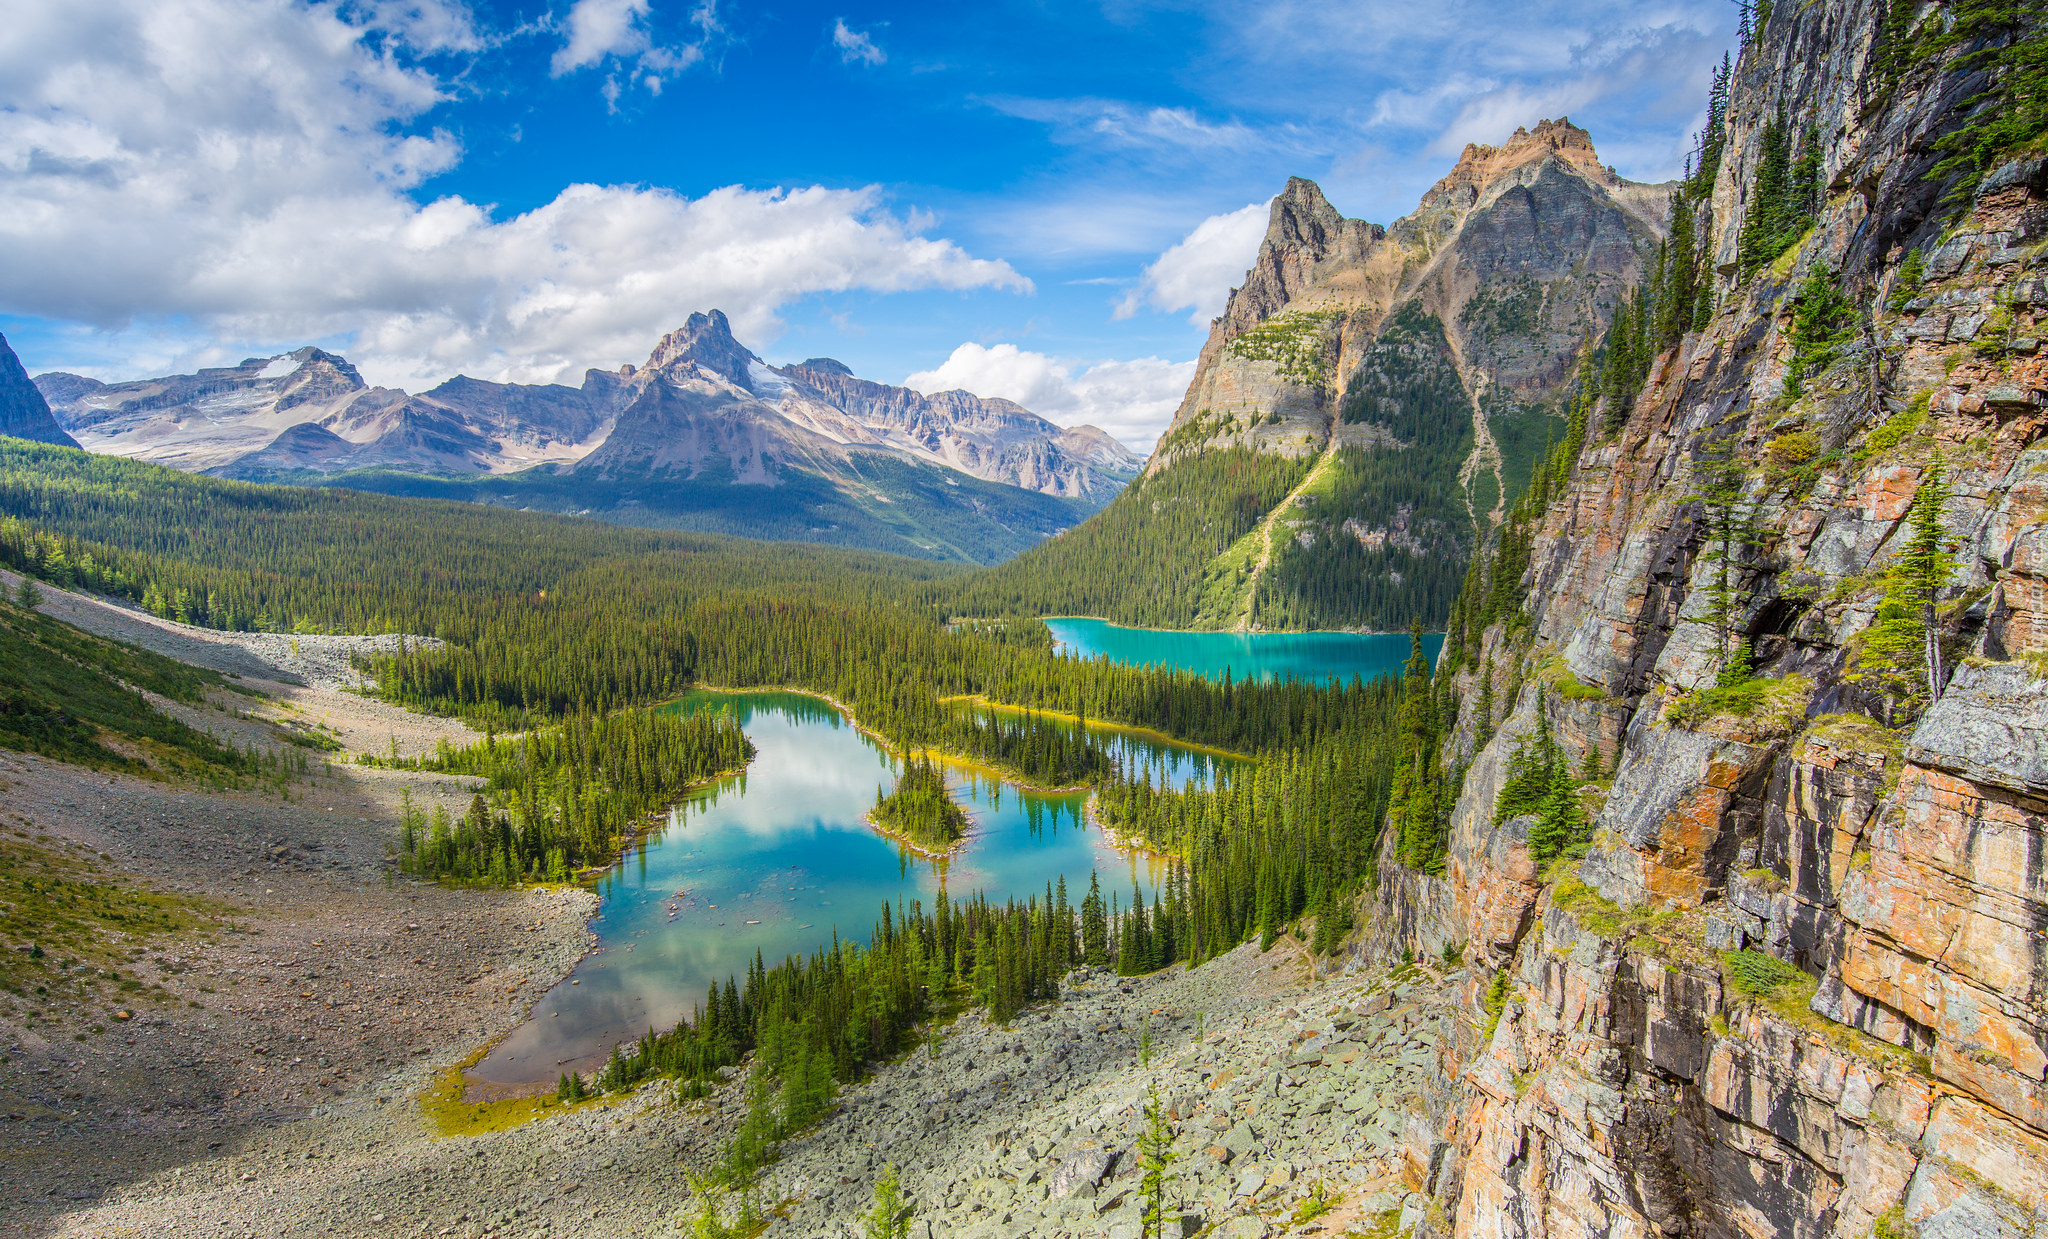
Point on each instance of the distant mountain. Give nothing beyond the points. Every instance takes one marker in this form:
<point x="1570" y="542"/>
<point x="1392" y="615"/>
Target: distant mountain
<point x="704" y="435"/>
<point x="23" y="412"/>
<point x="1368" y="404"/>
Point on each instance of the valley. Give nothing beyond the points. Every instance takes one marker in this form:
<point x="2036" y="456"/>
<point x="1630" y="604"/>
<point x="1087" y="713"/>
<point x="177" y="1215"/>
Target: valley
<point x="1550" y="744"/>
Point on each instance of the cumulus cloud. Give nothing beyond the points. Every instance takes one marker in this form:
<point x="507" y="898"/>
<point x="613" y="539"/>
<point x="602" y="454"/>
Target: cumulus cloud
<point x="243" y="166"/>
<point x="617" y="31"/>
<point x="1132" y="400"/>
<point x="1199" y="272"/>
<point x="855" y="45"/>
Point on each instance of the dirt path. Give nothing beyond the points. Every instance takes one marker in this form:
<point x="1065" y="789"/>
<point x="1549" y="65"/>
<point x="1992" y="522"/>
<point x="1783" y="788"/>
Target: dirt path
<point x="307" y="980"/>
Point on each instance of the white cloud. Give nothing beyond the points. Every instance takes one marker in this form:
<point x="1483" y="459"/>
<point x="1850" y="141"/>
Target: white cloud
<point x="617" y="29"/>
<point x="600" y="28"/>
<point x="855" y="45"/>
<point x="1117" y="123"/>
<point x="1199" y="272"/>
<point x="1132" y="400"/>
<point x="238" y="169"/>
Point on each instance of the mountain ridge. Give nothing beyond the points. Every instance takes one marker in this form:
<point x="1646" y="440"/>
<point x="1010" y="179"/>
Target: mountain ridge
<point x="703" y="435"/>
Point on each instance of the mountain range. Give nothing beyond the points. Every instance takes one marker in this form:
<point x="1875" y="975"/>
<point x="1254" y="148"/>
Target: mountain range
<point x="1369" y="403"/>
<point x="704" y="435"/>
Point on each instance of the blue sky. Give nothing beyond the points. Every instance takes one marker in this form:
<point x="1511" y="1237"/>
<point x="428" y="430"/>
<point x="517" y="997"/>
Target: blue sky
<point x="1039" y="200"/>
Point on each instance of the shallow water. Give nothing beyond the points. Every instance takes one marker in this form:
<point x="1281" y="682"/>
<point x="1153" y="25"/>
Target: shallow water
<point x="1321" y="656"/>
<point x="777" y="859"/>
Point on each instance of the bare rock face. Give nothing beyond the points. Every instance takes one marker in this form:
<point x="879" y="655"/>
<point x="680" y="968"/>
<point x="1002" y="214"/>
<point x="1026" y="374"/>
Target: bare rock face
<point x="1990" y="726"/>
<point x="1793" y="984"/>
<point x="23" y="412"/>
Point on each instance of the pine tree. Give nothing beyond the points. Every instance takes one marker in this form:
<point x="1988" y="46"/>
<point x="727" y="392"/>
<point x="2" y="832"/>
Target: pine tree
<point x="889" y="1218"/>
<point x="1155" y="1158"/>
<point x="1094" y="926"/>
<point x="1900" y="654"/>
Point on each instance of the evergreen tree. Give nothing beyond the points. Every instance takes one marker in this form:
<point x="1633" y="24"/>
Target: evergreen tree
<point x="1900" y="654"/>
<point x="1094" y="925"/>
<point x="1155" y="1159"/>
<point x="889" y="1218"/>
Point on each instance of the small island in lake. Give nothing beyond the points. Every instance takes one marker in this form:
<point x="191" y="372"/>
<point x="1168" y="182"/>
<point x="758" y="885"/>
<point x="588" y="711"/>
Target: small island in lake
<point x="921" y="811"/>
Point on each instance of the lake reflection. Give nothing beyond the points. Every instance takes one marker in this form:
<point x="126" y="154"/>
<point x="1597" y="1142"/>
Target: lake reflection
<point x="775" y="860"/>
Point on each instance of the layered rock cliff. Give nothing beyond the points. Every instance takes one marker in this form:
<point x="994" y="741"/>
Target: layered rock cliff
<point x="1791" y="979"/>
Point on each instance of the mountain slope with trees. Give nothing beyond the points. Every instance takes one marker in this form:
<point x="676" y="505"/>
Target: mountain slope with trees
<point x="1368" y="405"/>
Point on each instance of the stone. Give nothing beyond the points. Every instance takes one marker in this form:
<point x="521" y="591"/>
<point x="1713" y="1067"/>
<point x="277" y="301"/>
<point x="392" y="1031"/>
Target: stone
<point x="1082" y="1168"/>
<point x="1991" y="725"/>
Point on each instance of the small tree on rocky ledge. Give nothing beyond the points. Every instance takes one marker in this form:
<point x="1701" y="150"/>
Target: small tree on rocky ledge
<point x="1901" y="655"/>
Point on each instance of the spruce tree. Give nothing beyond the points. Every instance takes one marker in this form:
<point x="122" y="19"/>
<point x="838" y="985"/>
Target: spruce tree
<point x="1900" y="654"/>
<point x="1155" y="1159"/>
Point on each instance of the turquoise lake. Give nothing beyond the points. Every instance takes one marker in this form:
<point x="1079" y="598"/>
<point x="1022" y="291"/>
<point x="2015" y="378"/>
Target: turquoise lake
<point x="776" y="859"/>
<point x="1319" y="656"/>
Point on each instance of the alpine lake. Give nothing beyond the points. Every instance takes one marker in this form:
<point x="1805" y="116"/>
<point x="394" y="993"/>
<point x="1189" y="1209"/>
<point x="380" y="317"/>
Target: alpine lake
<point x="778" y="860"/>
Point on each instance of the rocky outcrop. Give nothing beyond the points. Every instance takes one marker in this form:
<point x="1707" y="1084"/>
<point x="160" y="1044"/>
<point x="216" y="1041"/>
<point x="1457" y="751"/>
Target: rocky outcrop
<point x="23" y="413"/>
<point x="1792" y="985"/>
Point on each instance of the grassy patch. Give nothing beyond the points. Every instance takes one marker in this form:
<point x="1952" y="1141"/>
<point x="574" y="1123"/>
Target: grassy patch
<point x="77" y="917"/>
<point x="71" y="696"/>
<point x="1778" y="704"/>
<point x="1320" y="1200"/>
<point x="1600" y="915"/>
<point x="450" y="1115"/>
<point x="1896" y="429"/>
<point x="1553" y="671"/>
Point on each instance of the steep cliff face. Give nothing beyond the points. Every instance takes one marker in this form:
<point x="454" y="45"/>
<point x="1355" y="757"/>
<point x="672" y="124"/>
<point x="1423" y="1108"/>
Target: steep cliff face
<point x="1794" y="979"/>
<point x="23" y="412"/>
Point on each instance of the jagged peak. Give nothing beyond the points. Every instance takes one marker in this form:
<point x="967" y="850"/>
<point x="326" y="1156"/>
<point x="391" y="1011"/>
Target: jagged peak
<point x="1479" y="165"/>
<point x="1302" y="219"/>
<point x="704" y="339"/>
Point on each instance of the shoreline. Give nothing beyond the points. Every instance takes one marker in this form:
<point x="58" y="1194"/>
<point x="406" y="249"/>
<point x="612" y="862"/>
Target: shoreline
<point x="1226" y="632"/>
<point x="1146" y="733"/>
<point x="951" y="759"/>
<point x="905" y="842"/>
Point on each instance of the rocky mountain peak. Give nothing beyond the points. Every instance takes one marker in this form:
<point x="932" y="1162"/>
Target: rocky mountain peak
<point x="824" y="365"/>
<point x="23" y="412"/>
<point x="1303" y="220"/>
<point x="703" y="340"/>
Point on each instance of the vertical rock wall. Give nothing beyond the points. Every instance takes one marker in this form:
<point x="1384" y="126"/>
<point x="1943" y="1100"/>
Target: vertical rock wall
<point x="1797" y="983"/>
